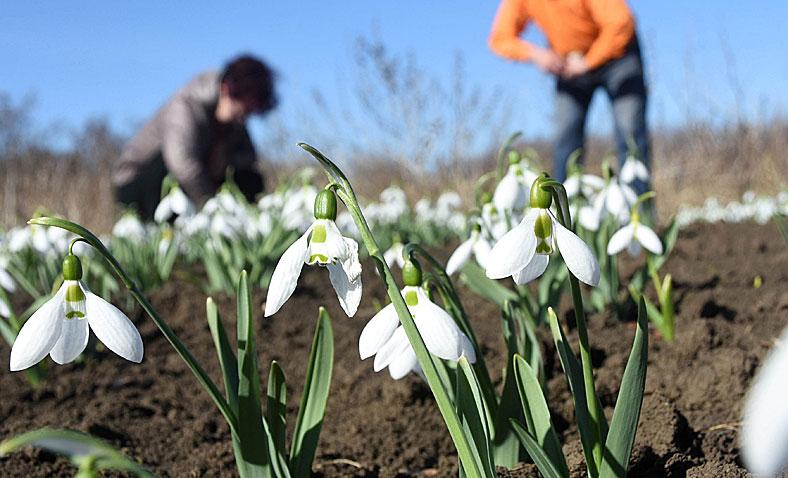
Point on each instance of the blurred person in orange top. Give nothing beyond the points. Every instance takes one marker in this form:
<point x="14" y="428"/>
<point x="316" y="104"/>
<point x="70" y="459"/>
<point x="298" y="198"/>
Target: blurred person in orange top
<point x="592" y="44"/>
<point x="196" y="136"/>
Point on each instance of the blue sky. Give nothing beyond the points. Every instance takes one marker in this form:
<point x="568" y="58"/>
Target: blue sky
<point x="121" y="60"/>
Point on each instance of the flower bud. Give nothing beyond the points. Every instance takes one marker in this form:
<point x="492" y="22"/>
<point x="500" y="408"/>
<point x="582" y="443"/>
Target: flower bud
<point x="72" y="268"/>
<point x="326" y="205"/>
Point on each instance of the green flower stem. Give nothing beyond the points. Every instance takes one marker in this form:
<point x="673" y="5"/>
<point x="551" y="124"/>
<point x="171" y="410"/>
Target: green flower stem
<point x="191" y="362"/>
<point x="446" y="286"/>
<point x="594" y="412"/>
<point x="445" y="405"/>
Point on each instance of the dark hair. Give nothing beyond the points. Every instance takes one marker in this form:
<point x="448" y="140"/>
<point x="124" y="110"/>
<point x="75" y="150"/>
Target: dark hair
<point x="247" y="77"/>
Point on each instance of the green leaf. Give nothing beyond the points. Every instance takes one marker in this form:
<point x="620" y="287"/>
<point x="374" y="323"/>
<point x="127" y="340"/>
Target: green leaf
<point x="76" y="446"/>
<point x="276" y="412"/>
<point x="537" y="414"/>
<point x="624" y="424"/>
<point x="251" y="435"/>
<point x="475" y="279"/>
<point x="540" y="458"/>
<point x="313" y="401"/>
<point x="574" y="375"/>
<point x="227" y="360"/>
<point x="470" y="408"/>
<point x="507" y="450"/>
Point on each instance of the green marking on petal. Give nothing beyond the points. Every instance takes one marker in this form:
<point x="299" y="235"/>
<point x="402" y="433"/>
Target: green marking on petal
<point x="320" y="258"/>
<point x="542" y="247"/>
<point x="411" y="298"/>
<point x="74" y="294"/>
<point x="75" y="314"/>
<point x="543" y="227"/>
<point x="318" y="234"/>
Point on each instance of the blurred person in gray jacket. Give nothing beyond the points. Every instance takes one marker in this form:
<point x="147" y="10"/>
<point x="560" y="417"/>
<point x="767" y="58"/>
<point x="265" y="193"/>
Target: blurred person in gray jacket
<point x="196" y="136"/>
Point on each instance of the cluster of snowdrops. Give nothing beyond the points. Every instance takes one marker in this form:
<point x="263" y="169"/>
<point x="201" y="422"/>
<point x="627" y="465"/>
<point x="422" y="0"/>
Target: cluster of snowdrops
<point x="521" y="228"/>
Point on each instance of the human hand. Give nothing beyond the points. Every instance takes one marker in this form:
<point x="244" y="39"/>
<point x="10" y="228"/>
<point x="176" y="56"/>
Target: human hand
<point x="574" y="66"/>
<point x="547" y="60"/>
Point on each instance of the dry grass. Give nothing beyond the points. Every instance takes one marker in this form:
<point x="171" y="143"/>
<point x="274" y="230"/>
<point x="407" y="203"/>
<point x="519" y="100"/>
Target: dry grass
<point x="690" y="164"/>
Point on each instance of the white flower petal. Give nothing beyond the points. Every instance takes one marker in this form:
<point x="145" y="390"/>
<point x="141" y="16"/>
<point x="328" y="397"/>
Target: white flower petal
<point x="6" y="282"/>
<point x="163" y="210"/>
<point x="588" y="218"/>
<point x="614" y="200"/>
<point x="467" y="348"/>
<point x="348" y="293"/>
<point x="509" y="193"/>
<point x="481" y="250"/>
<point x="377" y="331"/>
<point x="438" y="330"/>
<point x="532" y="270"/>
<point x="403" y="363"/>
<point x="577" y="255"/>
<point x="620" y="239"/>
<point x="5" y="311"/>
<point x="459" y="257"/>
<point x="627" y="174"/>
<point x="113" y="328"/>
<point x="649" y="239"/>
<point x="391" y="349"/>
<point x="285" y="277"/>
<point x="514" y="250"/>
<point x="572" y="185"/>
<point x="764" y="430"/>
<point x="39" y="334"/>
<point x="73" y="340"/>
<point x="633" y="249"/>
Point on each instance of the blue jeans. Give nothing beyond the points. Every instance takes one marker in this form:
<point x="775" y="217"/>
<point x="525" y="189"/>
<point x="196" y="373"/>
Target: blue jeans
<point x="622" y="79"/>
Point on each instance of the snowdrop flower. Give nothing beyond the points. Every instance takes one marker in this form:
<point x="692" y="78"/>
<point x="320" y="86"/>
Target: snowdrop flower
<point x="129" y="227"/>
<point x="764" y="434"/>
<point x="385" y="338"/>
<point x="511" y="193"/>
<point x="616" y="199"/>
<point x="477" y="245"/>
<point x="633" y="236"/>
<point x="633" y="170"/>
<point x="175" y="203"/>
<point x="60" y="327"/>
<point x="321" y="244"/>
<point x="493" y="222"/>
<point x="524" y="252"/>
<point x="6" y="282"/>
<point x="580" y="183"/>
<point x="394" y="254"/>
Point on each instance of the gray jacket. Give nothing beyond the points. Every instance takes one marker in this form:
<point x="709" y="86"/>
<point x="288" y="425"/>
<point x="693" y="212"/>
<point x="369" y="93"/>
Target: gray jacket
<point x="184" y="139"/>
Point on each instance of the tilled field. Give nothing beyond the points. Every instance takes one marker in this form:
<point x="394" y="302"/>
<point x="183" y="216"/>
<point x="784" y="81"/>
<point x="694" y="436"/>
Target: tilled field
<point x="157" y="413"/>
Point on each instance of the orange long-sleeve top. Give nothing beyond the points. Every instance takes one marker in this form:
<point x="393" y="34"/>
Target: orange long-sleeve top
<point x="600" y="29"/>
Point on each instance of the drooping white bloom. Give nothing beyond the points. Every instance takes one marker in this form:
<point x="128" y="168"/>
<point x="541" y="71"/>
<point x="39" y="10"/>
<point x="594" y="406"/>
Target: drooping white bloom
<point x="512" y="191"/>
<point x="632" y="237"/>
<point x="321" y="244"/>
<point x="493" y="222"/>
<point x="477" y="245"/>
<point x="384" y="337"/>
<point x="394" y="255"/>
<point x="633" y="170"/>
<point x="615" y="199"/>
<point x="60" y="328"/>
<point x="524" y="252"/>
<point x="587" y="184"/>
<point x="6" y="282"/>
<point x="764" y="434"/>
<point x="129" y="227"/>
<point x="175" y="203"/>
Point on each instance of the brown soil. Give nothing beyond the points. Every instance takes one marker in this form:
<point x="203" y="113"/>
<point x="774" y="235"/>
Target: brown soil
<point x="157" y="413"/>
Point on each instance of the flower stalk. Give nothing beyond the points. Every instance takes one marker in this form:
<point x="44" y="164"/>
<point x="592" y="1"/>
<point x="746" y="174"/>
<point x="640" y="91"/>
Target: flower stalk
<point x="345" y="192"/>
